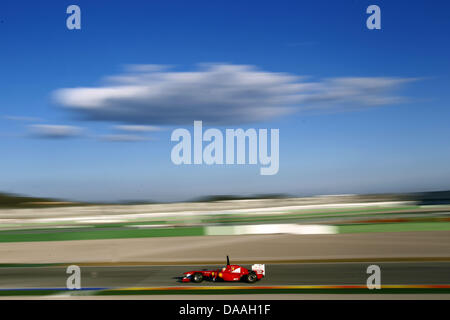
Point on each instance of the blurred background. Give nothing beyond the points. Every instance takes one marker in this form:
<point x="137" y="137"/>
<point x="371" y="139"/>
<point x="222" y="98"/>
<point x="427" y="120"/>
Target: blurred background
<point x="86" y="117"/>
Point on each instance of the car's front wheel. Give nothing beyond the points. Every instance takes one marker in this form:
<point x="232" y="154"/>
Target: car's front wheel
<point x="251" y="277"/>
<point x="197" y="277"/>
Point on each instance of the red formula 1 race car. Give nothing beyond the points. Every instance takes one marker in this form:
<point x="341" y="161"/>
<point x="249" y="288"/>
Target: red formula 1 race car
<point x="230" y="272"/>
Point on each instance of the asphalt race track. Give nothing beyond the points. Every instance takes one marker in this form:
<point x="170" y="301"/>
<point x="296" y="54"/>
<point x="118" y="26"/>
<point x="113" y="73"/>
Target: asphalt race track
<point x="392" y="273"/>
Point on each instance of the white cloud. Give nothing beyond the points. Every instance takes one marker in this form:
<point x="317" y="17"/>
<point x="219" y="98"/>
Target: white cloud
<point x="123" y="138"/>
<point x="55" y="131"/>
<point x="219" y="94"/>
<point x="348" y="92"/>
<point x="137" y="128"/>
<point x="65" y="131"/>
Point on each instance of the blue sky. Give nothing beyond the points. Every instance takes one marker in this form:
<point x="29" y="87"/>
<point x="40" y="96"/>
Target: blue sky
<point x="340" y="145"/>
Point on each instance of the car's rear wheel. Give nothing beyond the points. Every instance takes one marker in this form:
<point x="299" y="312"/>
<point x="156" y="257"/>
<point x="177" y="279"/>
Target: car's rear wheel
<point x="251" y="277"/>
<point x="197" y="277"/>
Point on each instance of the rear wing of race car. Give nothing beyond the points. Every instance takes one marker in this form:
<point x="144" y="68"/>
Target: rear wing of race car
<point x="259" y="268"/>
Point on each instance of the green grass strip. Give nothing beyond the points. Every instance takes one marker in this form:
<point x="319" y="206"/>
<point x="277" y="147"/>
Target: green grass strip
<point x="28" y="265"/>
<point x="101" y="234"/>
<point x="394" y="227"/>
<point x="9" y="293"/>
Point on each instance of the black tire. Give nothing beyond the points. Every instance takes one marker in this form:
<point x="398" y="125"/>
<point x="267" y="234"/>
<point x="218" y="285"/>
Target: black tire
<point x="197" y="277"/>
<point x="251" y="277"/>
